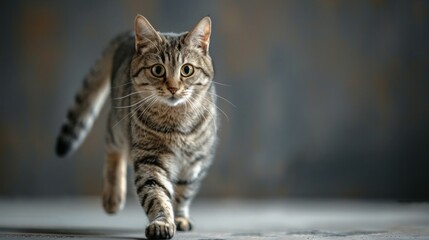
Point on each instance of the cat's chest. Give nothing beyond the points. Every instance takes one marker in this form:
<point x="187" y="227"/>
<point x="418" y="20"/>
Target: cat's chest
<point x="180" y="144"/>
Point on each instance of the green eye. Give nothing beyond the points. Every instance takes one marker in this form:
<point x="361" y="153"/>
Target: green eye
<point x="158" y="70"/>
<point x="187" y="70"/>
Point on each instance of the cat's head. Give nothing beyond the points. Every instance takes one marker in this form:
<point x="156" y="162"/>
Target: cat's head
<point x="172" y="68"/>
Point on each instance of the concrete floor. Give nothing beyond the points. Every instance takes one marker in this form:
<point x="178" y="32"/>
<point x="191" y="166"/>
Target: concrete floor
<point x="219" y="219"/>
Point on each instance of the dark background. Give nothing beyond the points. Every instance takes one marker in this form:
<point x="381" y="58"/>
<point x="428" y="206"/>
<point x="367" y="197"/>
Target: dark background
<point x="332" y="97"/>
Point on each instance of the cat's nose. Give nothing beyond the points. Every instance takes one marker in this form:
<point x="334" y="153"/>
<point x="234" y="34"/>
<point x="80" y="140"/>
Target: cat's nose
<point x="173" y="90"/>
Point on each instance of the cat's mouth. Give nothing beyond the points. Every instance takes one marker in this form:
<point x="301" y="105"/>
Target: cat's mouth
<point x="174" y="100"/>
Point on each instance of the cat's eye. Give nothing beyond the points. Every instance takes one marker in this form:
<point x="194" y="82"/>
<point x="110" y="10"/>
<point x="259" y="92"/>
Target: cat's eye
<point x="187" y="70"/>
<point x="157" y="70"/>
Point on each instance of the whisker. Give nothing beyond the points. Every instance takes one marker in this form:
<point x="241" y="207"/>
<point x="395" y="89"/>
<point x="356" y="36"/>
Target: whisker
<point x="154" y="100"/>
<point x="221" y="84"/>
<point x="196" y="109"/>
<point x="192" y="105"/>
<point x="131" y="94"/>
<point x="227" y="118"/>
<point x="128" y="114"/>
<point x="140" y="101"/>
<point x="135" y="110"/>
<point x="214" y="94"/>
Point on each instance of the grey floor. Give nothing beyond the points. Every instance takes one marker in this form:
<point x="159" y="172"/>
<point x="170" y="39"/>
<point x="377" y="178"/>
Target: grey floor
<point x="219" y="219"/>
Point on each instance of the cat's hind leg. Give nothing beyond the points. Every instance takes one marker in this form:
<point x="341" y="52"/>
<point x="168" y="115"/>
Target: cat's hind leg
<point x="185" y="191"/>
<point x="186" y="186"/>
<point x="115" y="185"/>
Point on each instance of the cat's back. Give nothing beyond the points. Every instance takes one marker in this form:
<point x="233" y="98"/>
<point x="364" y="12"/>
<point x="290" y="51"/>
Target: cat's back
<point x="123" y="54"/>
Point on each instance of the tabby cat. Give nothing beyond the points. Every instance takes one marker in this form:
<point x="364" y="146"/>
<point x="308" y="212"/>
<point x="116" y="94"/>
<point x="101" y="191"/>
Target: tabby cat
<point x="163" y="120"/>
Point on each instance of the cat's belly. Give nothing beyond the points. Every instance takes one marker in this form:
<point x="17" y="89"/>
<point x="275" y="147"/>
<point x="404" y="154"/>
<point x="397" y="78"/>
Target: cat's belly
<point x="192" y="157"/>
<point x="188" y="172"/>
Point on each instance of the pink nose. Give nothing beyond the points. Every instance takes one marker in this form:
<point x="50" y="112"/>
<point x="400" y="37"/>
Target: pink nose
<point x="173" y="90"/>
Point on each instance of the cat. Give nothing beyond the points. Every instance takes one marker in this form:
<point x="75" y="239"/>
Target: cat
<point x="163" y="120"/>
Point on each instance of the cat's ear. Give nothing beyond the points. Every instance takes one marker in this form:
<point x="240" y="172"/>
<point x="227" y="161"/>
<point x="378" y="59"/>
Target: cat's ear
<point x="200" y="35"/>
<point x="145" y="33"/>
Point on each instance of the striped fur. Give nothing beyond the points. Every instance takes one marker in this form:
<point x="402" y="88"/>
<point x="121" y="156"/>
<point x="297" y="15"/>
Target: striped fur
<point x="163" y="121"/>
<point x="88" y="101"/>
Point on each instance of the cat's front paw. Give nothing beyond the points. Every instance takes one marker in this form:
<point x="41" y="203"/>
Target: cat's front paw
<point x="183" y="224"/>
<point x="160" y="229"/>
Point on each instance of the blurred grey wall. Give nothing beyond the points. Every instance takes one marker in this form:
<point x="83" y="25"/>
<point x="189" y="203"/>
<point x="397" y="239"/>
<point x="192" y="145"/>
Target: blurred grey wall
<point x="332" y="97"/>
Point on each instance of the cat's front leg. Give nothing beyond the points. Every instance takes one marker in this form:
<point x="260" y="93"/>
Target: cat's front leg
<point x="154" y="189"/>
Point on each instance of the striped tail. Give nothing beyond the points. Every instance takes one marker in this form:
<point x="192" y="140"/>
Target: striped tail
<point x="88" y="103"/>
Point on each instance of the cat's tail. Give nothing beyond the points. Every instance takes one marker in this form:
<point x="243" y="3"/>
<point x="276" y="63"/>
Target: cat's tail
<point x="88" y="102"/>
